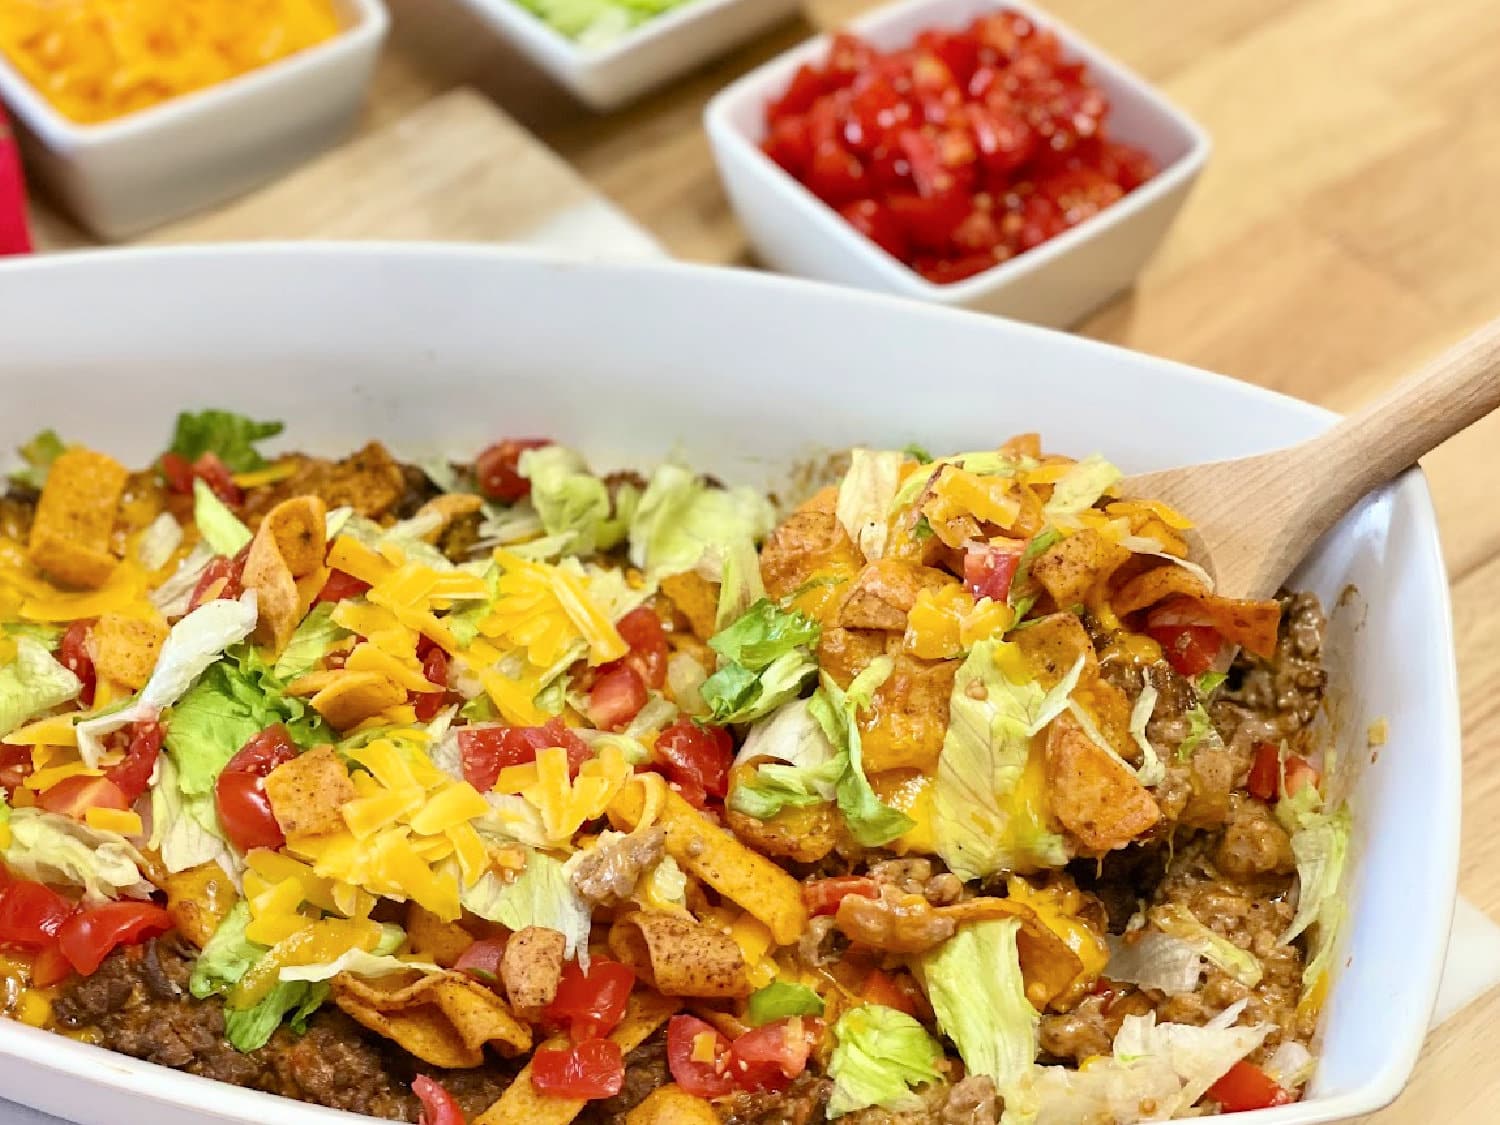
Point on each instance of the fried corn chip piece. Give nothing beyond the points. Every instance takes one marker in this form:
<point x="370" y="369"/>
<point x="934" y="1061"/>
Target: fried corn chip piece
<point x="1075" y="565"/>
<point x="809" y="552"/>
<point x="805" y="835"/>
<point x="198" y="899"/>
<point x="434" y="939"/>
<point x="697" y="599"/>
<point x="124" y="649"/>
<point x="672" y="1105"/>
<point x="1053" y="644"/>
<point x="444" y="1019"/>
<point x="711" y="854"/>
<point x="531" y="967"/>
<point x="1246" y="622"/>
<point x="289" y="544"/>
<point x="445" y="509"/>
<point x="908" y="717"/>
<point x="883" y="594"/>
<point x="307" y="793"/>
<point x="678" y="956"/>
<point x="1094" y="796"/>
<point x="352" y="697"/>
<point x="1157" y="585"/>
<point x="74" y="518"/>
<point x="522" y="1105"/>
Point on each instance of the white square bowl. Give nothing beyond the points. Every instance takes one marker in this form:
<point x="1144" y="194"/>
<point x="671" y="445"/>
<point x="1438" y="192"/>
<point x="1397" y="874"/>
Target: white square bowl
<point x="741" y="373"/>
<point x="648" y="56"/>
<point x="1055" y="284"/>
<point x="121" y="177"/>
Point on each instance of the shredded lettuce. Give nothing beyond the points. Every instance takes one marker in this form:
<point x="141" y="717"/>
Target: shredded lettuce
<point x="315" y="636"/>
<point x="221" y="529"/>
<point x="542" y="895"/>
<point x="249" y="1029"/>
<point x="880" y="1056"/>
<point x="806" y="771"/>
<point x="1153" y="959"/>
<point x="185" y="828"/>
<point x="227" y="957"/>
<point x="781" y="999"/>
<point x="1179" y="922"/>
<point x="979" y="997"/>
<point x="193" y="644"/>
<point x="865" y="497"/>
<point x="766" y="661"/>
<point x="980" y="825"/>
<point x="764" y="633"/>
<point x="1200" y="730"/>
<point x="32" y="684"/>
<point x="742" y="586"/>
<point x="982" y="464"/>
<point x="1080" y="487"/>
<point x="1208" y="683"/>
<point x="685" y="677"/>
<point x="573" y="503"/>
<point x="237" y="698"/>
<point x="871" y="823"/>
<point x="159" y="541"/>
<point x="1152" y="771"/>
<point x="681" y="523"/>
<point x="230" y="437"/>
<point x="38" y="453"/>
<point x="1320" y="846"/>
<point x="378" y="962"/>
<point x="56" y="849"/>
<point x="174" y="595"/>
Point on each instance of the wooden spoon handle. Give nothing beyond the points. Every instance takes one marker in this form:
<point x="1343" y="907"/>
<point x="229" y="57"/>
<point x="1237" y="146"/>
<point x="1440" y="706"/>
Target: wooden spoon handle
<point x="1382" y="440"/>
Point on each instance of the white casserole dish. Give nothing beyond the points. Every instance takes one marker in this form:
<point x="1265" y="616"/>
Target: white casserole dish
<point x="741" y="373"/>
<point x="121" y="177"/>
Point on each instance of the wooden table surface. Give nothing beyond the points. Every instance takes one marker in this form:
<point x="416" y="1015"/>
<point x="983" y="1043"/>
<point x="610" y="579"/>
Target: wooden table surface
<point x="1345" y="228"/>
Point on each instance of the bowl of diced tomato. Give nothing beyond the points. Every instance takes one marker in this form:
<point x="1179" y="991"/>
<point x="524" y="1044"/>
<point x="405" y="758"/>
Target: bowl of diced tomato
<point x="966" y="152"/>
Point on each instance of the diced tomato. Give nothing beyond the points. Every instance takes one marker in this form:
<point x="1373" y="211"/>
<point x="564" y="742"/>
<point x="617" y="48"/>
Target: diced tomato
<point x="1246" y="1087"/>
<point x="485" y="751"/>
<point x="340" y="587"/>
<point x="889" y="992"/>
<point x="482" y="959"/>
<point x="438" y="1106"/>
<point x="642" y="630"/>
<point x="593" y="1003"/>
<point x="697" y="757"/>
<point x="240" y="793"/>
<point x="702" y="1079"/>
<point x="31" y="914"/>
<point x="177" y="471"/>
<point x="88" y="936"/>
<point x="133" y="775"/>
<point x="616" y="697"/>
<point x="15" y="766"/>
<point x="221" y="579"/>
<point x="1191" y="650"/>
<point x="1269" y="775"/>
<point x="214" y="473"/>
<point x="434" y="671"/>
<point x="498" y="469"/>
<point x="592" y="1069"/>
<point x="876" y="222"/>
<point x="73" y="654"/>
<point x="50" y="966"/>
<point x="988" y="570"/>
<point x="823" y="896"/>
<point x="1297" y="774"/>
<point x="768" y="1058"/>
<point x="74" y="796"/>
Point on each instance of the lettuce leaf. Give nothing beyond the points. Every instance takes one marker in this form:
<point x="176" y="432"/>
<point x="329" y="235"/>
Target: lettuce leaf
<point x="542" y="895"/>
<point x="573" y="503"/>
<point x="766" y="660"/>
<point x="38" y="453"/>
<point x="159" y="542"/>
<point x="1153" y="959"/>
<point x="781" y="999"/>
<point x="1152" y="771"/>
<point x="981" y="825"/>
<point x="806" y="773"/>
<point x="871" y="822"/>
<point x="1320" y="846"/>
<point x="1181" y="923"/>
<point x="227" y="957"/>
<point x="681" y="523"/>
<point x="880" y="1056"/>
<point x="173" y="596"/>
<point x="741" y="586"/>
<point x="979" y="997"/>
<point x="32" y="684"/>
<point x="235" y="700"/>
<point x="249" y="1029"/>
<point x="221" y="529"/>
<point x="1080" y="487"/>
<point x="865" y="497"/>
<point x="185" y="828"/>
<point x="193" y="644"/>
<point x="310" y="643"/>
<point x="56" y="849"/>
<point x="763" y="634"/>
<point x="230" y="437"/>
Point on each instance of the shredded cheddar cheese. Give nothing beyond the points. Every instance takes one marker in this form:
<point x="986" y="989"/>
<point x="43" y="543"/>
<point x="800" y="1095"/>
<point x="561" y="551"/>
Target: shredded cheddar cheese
<point x="96" y="60"/>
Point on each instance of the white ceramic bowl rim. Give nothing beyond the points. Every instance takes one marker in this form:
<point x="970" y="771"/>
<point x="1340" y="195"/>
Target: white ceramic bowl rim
<point x="233" y="273"/>
<point x="370" y="22"/>
<point x="1185" y="167"/>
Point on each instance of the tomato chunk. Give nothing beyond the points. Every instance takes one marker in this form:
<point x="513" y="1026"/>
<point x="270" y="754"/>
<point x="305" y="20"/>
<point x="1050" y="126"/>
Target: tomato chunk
<point x="988" y="570"/>
<point x="340" y="587"/>
<point x="133" y="774"/>
<point x="485" y="751"/>
<point x="177" y="471"/>
<point x="593" y="1003"/>
<point x="1269" y="774"/>
<point x="73" y="654"/>
<point x="89" y="936"/>
<point x="890" y="991"/>
<point x="214" y="473"/>
<point x="435" y="671"/>
<point x="1190" y="649"/>
<point x="240" y="793"/>
<point x="642" y="630"/>
<point x="697" y="758"/>
<point x="689" y="1040"/>
<point x="74" y="796"/>
<point x="1247" y="1087"/>
<point x="482" y="959"/>
<point x="438" y="1106"/>
<point x="592" y="1069"/>
<point x="769" y="1057"/>
<point x="823" y="896"/>
<point x="498" y="469"/>
<point x="31" y="914"/>
<point x="616" y="697"/>
<point x="50" y="966"/>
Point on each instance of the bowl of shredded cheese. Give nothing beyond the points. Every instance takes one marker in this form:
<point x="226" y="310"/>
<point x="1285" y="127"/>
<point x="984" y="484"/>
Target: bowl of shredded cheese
<point x="135" y="112"/>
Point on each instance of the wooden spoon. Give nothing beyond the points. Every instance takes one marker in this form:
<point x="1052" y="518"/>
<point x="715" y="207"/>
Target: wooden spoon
<point x="1256" y="517"/>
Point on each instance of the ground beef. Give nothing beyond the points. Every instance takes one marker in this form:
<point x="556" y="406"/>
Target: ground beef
<point x="1090" y="1028"/>
<point x="1253" y="842"/>
<point x="609" y="872"/>
<point x="418" y="489"/>
<point x="17" y="508"/>
<point x="1271" y="700"/>
<point x="801" y="1104"/>
<point x="138" y="1004"/>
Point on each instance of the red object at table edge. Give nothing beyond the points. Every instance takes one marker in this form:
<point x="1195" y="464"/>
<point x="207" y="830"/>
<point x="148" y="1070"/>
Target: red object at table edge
<point x="15" y="237"/>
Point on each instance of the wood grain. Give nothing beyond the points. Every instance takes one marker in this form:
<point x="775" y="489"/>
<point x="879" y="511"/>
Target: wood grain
<point x="1344" y="230"/>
